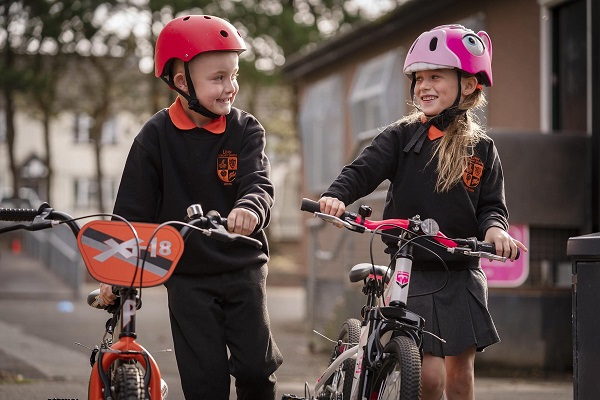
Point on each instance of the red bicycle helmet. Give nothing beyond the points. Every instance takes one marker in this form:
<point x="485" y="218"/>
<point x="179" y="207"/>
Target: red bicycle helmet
<point x="186" y="37"/>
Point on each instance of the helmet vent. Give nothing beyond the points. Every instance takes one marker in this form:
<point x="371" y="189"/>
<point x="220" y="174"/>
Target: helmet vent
<point x="224" y="33"/>
<point x="433" y="44"/>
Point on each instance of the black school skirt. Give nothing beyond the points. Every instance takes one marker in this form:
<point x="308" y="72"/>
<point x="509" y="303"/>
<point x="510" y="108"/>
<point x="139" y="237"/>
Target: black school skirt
<point x="458" y="313"/>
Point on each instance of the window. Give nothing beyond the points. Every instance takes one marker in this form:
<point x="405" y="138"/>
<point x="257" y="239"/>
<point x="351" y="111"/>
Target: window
<point x="378" y="95"/>
<point x="109" y="131"/>
<point x="321" y="119"/>
<point x="2" y="126"/>
<point x="565" y="77"/>
<point x="569" y="65"/>
<point x="83" y="124"/>
<point x="86" y="192"/>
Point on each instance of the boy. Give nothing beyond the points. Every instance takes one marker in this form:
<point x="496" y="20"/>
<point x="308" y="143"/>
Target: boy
<point x="202" y="150"/>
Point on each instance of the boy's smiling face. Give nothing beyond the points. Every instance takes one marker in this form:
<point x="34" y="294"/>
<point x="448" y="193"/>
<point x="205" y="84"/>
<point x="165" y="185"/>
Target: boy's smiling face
<point x="214" y="75"/>
<point x="215" y="79"/>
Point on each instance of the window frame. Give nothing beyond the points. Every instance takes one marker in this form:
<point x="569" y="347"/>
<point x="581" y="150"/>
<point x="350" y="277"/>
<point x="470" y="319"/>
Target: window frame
<point x="388" y="95"/>
<point x="321" y="127"/>
<point x="546" y="64"/>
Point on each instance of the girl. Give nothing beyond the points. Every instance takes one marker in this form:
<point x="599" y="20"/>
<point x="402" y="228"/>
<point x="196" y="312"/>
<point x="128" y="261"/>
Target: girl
<point x="441" y="165"/>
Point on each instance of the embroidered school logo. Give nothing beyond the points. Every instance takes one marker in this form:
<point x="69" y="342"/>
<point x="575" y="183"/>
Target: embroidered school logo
<point x="227" y="165"/>
<point x="472" y="176"/>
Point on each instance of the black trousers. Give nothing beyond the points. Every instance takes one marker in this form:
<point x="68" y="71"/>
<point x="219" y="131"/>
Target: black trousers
<point x="213" y="313"/>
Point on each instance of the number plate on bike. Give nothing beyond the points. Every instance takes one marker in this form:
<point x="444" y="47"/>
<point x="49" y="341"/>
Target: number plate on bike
<point x="113" y="255"/>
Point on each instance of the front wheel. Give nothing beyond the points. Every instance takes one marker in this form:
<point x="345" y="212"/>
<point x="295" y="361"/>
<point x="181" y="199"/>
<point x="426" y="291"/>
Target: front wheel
<point x="339" y="384"/>
<point x="128" y="383"/>
<point x="399" y="377"/>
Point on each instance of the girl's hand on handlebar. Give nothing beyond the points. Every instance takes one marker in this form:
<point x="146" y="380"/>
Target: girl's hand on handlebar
<point x="332" y="206"/>
<point x="242" y="221"/>
<point x="106" y="294"/>
<point x="506" y="246"/>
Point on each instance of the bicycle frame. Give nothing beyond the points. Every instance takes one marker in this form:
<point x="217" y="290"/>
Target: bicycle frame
<point x="373" y="330"/>
<point x="124" y="350"/>
<point x="351" y="352"/>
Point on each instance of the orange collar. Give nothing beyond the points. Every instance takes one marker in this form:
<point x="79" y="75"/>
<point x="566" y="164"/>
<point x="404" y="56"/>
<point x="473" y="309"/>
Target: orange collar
<point x="183" y="122"/>
<point x="434" y="133"/>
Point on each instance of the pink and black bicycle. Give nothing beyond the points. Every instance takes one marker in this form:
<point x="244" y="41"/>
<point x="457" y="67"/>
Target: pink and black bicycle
<point x="379" y="357"/>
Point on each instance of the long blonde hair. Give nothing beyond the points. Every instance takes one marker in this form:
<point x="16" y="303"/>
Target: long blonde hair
<point x="457" y="145"/>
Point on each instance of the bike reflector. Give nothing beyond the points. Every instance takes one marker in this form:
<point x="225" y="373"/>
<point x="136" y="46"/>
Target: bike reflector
<point x="114" y="256"/>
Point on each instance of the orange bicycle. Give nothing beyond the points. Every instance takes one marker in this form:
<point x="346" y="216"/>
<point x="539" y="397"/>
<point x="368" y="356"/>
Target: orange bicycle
<point x="129" y="256"/>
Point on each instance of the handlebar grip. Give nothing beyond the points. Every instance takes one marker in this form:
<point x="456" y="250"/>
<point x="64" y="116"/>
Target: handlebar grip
<point x="310" y="206"/>
<point x="487" y="247"/>
<point x="18" y="214"/>
<point x="490" y="248"/>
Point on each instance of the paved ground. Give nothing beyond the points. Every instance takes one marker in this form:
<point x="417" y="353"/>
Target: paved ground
<point x="39" y="361"/>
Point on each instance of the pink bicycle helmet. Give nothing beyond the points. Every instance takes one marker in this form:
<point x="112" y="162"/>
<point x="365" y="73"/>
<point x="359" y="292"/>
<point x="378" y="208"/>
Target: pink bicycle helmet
<point x="452" y="46"/>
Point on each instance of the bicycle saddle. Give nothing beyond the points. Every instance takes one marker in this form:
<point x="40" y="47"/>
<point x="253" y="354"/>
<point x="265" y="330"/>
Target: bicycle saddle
<point x="362" y="271"/>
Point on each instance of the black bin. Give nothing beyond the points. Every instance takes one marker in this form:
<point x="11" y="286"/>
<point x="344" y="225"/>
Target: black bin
<point x="585" y="253"/>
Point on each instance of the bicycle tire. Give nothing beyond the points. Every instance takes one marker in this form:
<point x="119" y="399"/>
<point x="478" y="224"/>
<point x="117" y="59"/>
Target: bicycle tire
<point x="128" y="383"/>
<point x="399" y="377"/>
<point x="339" y="384"/>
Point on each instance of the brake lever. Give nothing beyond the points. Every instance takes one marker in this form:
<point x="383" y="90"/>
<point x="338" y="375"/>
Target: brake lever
<point x="222" y="234"/>
<point x="480" y="254"/>
<point x="334" y="220"/>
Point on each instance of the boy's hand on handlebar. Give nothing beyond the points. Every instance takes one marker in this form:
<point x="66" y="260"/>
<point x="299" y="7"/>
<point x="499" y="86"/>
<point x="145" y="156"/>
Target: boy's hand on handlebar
<point x="106" y="294"/>
<point x="506" y="246"/>
<point x="242" y="221"/>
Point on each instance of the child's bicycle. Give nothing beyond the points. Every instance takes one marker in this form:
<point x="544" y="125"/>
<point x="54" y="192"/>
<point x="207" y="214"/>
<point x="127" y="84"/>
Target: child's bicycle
<point x="380" y="357"/>
<point x="129" y="256"/>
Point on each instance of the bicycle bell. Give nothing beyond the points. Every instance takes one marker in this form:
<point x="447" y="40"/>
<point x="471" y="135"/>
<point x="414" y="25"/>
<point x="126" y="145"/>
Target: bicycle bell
<point x="430" y="227"/>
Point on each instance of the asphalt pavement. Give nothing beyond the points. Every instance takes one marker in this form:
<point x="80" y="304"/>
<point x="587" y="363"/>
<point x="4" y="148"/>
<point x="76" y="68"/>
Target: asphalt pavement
<point x="41" y="319"/>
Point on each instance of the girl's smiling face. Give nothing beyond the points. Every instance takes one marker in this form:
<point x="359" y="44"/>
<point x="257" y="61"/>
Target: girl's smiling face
<point x="435" y="90"/>
<point x="214" y="75"/>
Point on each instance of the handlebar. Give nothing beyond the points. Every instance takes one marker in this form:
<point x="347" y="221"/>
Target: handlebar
<point x="42" y="218"/>
<point x="46" y="217"/>
<point x="358" y="222"/>
<point x="213" y="225"/>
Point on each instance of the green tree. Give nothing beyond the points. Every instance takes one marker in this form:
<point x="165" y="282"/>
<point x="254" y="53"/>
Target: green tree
<point x="38" y="35"/>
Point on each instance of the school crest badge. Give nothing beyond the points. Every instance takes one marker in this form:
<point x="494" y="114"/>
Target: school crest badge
<point x="227" y="165"/>
<point x="472" y="176"/>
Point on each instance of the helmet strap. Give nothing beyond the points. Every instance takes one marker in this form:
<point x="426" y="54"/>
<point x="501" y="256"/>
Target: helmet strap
<point x="193" y="102"/>
<point x="412" y="86"/>
<point x="440" y="121"/>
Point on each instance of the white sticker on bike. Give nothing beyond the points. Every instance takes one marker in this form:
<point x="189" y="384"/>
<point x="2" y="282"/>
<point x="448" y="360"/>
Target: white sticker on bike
<point x="128" y="311"/>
